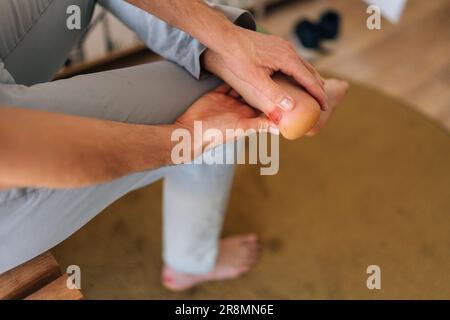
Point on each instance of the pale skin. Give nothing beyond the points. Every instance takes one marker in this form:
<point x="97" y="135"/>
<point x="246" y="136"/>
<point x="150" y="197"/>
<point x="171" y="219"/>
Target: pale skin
<point x="96" y="151"/>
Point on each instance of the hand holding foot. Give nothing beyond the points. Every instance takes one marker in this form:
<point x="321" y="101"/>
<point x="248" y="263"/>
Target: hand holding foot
<point x="221" y="110"/>
<point x="254" y="57"/>
<point x="307" y="118"/>
<point x="294" y="123"/>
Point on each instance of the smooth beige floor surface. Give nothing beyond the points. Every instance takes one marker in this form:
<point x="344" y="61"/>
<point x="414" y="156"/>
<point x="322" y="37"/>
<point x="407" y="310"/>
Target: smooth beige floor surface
<point x="372" y="188"/>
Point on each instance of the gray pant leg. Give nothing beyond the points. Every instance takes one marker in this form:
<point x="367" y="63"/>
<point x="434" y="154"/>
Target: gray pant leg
<point x="34" y="42"/>
<point x="33" y="221"/>
<point x="34" y="38"/>
<point x="195" y="200"/>
<point x="150" y="94"/>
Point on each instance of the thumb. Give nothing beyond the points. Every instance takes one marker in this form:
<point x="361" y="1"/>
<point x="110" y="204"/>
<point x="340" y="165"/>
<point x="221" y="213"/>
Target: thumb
<point x="277" y="96"/>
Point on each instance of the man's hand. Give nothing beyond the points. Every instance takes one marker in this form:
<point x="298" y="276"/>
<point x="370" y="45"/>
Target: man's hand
<point x="249" y="65"/>
<point x="250" y="56"/>
<point x="221" y="109"/>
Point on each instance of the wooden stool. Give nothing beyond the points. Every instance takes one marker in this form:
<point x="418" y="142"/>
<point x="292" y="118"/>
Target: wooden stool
<point x="37" y="279"/>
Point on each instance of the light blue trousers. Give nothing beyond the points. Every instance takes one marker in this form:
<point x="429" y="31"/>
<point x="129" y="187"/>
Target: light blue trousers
<point x="34" y="220"/>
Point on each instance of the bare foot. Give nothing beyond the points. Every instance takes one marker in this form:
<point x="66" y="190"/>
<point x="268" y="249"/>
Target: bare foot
<point x="336" y="91"/>
<point x="237" y="255"/>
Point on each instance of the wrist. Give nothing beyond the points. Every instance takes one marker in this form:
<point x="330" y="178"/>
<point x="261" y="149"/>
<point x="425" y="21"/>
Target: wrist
<point x="234" y="49"/>
<point x="209" y="62"/>
<point x="145" y="147"/>
<point x="164" y="136"/>
<point x="214" y="63"/>
<point x="233" y="42"/>
<point x="225" y="38"/>
<point x="188" y="143"/>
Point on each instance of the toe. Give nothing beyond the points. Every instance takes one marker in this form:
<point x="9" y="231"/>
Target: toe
<point x="251" y="238"/>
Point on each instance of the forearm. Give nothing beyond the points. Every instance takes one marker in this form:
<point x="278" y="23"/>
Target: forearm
<point x="41" y="149"/>
<point x="209" y="26"/>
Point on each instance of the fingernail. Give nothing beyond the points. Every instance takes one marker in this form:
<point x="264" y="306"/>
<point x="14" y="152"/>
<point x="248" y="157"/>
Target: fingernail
<point x="274" y="130"/>
<point x="287" y="104"/>
<point x="275" y="115"/>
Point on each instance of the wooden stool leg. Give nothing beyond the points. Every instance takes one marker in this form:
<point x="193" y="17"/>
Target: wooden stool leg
<point x="29" y="277"/>
<point x="56" y="290"/>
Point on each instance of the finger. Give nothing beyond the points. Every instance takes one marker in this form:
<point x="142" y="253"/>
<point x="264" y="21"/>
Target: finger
<point x="276" y="95"/>
<point x="301" y="74"/>
<point x="313" y="70"/>
<point x="275" y="115"/>
<point x="310" y="67"/>
<point x="297" y="61"/>
<point x="223" y="88"/>
<point x="306" y="75"/>
<point x="260" y="124"/>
